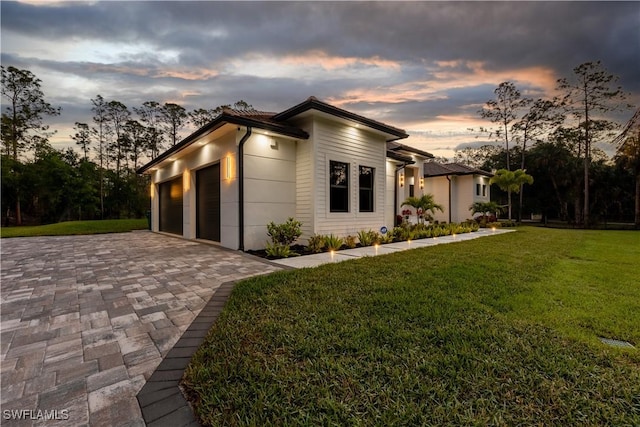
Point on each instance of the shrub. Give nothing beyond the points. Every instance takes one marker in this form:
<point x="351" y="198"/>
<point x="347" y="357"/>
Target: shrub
<point x="494" y="225"/>
<point x="350" y="241"/>
<point x="508" y="223"/>
<point x="333" y="243"/>
<point x="368" y="238"/>
<point x="276" y="250"/>
<point x="316" y="243"/>
<point x="286" y="233"/>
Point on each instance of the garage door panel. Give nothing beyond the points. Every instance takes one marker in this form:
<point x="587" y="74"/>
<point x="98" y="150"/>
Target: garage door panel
<point x="208" y="203"/>
<point x="171" y="206"/>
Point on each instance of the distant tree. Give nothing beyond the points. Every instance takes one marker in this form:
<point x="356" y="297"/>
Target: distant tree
<point x="200" y="117"/>
<point x="174" y="117"/>
<point x="150" y="114"/>
<point x="101" y="132"/>
<point x="476" y="157"/>
<point x="135" y="137"/>
<point x="503" y="110"/>
<point x="589" y="94"/>
<point x="628" y="156"/>
<point x="82" y="137"/>
<point x="511" y="181"/>
<point x="542" y="116"/>
<point x="22" y="116"/>
<point x="118" y="115"/>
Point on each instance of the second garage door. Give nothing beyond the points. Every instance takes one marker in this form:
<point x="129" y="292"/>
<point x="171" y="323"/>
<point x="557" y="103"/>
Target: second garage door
<point x="208" y="203"/>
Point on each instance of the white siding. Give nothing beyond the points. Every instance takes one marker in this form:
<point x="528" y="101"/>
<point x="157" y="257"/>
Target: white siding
<point x="357" y="147"/>
<point x="305" y="189"/>
<point x="390" y="194"/>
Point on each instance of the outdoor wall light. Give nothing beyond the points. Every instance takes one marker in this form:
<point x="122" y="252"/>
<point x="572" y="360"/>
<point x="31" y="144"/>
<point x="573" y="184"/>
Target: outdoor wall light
<point x="421" y="183"/>
<point x="401" y="180"/>
<point x="228" y="171"/>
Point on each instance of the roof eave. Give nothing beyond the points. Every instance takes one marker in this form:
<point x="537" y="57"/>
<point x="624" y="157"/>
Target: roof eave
<point x="313" y="103"/>
<point x="217" y="123"/>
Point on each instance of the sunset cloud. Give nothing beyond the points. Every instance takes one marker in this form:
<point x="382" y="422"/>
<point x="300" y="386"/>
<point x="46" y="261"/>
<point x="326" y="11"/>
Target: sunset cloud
<point x="427" y="67"/>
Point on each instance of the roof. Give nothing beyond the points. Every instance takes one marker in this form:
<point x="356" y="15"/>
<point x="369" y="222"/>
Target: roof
<point x="395" y="146"/>
<point x="275" y="122"/>
<point x="313" y="103"/>
<point x="441" y="169"/>
<point x="250" y="118"/>
<point x="400" y="157"/>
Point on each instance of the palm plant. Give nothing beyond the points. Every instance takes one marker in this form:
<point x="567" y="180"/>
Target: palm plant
<point x="426" y="203"/>
<point x="484" y="208"/>
<point x="511" y="182"/>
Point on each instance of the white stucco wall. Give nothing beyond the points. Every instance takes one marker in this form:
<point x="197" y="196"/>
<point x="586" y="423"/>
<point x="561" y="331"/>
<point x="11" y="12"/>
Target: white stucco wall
<point x="269" y="186"/>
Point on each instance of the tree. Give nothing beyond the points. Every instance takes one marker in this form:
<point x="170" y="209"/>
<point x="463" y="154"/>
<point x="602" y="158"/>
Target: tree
<point x="134" y="134"/>
<point x="511" y="181"/>
<point x="628" y="156"/>
<point x="504" y="110"/>
<point x="151" y="115"/>
<point x="174" y="117"/>
<point x="82" y="137"/>
<point x="591" y="92"/>
<point x="22" y="118"/>
<point x="101" y="132"/>
<point x="200" y="117"/>
<point x="426" y="203"/>
<point x="484" y="208"/>
<point x="118" y="114"/>
<point x="542" y="116"/>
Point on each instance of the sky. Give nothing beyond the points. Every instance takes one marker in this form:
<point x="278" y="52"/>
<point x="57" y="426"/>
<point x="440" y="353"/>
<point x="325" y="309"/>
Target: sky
<point x="426" y="67"/>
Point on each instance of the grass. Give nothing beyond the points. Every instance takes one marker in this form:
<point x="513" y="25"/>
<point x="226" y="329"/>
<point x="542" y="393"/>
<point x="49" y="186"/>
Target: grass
<point x="495" y="331"/>
<point x="76" y="227"/>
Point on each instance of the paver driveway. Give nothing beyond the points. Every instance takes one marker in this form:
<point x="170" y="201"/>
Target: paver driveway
<point x="85" y="320"/>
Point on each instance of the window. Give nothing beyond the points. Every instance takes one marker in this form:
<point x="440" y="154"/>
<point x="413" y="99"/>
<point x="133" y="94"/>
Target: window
<point x="339" y="186"/>
<point x="484" y="190"/>
<point x="366" y="179"/>
<point x="477" y="189"/>
<point x="412" y="190"/>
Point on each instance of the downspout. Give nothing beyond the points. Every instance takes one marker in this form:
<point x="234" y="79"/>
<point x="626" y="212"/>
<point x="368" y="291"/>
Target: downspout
<point x="241" y="188"/>
<point x="449" y="179"/>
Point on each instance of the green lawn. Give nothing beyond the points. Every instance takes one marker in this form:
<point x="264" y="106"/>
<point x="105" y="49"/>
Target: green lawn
<point x="501" y="330"/>
<point x="76" y="227"/>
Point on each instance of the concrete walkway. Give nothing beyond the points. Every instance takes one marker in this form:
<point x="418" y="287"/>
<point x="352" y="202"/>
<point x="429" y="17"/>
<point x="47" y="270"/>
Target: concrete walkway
<point x="85" y="320"/>
<point x="326" y="257"/>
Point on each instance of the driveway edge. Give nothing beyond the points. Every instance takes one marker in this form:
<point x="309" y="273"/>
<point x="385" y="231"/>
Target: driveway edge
<point x="161" y="400"/>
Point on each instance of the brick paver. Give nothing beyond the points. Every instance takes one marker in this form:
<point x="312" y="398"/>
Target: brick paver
<point x="86" y="320"/>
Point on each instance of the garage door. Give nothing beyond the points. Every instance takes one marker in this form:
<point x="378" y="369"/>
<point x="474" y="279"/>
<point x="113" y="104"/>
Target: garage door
<point x="171" y="206"/>
<point x="208" y="203"/>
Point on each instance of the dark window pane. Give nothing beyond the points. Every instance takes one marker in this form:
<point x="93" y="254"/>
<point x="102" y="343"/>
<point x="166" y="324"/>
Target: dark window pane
<point x="339" y="183"/>
<point x="366" y="180"/>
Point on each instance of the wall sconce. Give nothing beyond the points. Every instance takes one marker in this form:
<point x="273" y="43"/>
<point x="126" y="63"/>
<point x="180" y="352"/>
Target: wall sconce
<point x="186" y="180"/>
<point x="401" y="180"/>
<point x="274" y="144"/>
<point x="228" y="171"/>
<point x="421" y="183"/>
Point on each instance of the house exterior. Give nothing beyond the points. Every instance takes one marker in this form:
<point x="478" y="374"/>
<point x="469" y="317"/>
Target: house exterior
<point x="323" y="165"/>
<point x="456" y="187"/>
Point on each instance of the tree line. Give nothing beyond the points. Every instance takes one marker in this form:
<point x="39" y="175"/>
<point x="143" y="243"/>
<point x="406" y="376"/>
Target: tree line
<point x="44" y="185"/>
<point x="554" y="142"/>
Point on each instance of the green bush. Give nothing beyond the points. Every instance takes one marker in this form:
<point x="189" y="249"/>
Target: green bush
<point x="368" y="237"/>
<point x="333" y="243"/>
<point x="316" y="243"/>
<point x="286" y="233"/>
<point x="276" y="250"/>
<point x="350" y="241"/>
